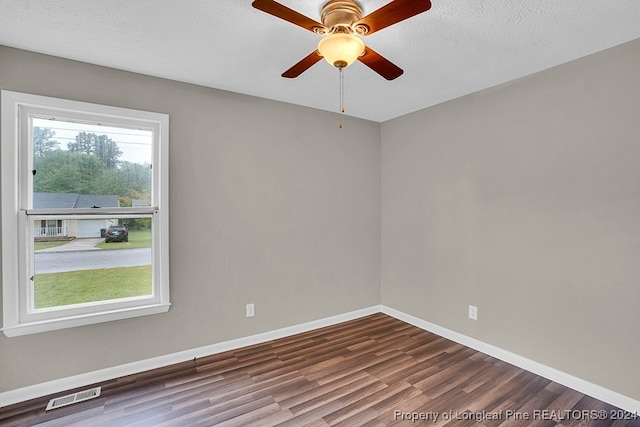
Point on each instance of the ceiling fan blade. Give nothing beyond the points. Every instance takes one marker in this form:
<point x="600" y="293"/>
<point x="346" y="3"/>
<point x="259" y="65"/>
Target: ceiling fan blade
<point x="380" y="64"/>
<point x="392" y="13"/>
<point x="276" y="9"/>
<point x="303" y="65"/>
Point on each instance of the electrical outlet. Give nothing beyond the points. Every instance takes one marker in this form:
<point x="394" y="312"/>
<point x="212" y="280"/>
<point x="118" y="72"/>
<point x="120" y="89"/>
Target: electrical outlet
<point x="251" y="310"/>
<point x="473" y="312"/>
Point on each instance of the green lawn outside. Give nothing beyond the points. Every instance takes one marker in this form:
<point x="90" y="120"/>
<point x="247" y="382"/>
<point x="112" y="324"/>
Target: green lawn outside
<point x="76" y="287"/>
<point x="137" y="239"/>
<point x="46" y="245"/>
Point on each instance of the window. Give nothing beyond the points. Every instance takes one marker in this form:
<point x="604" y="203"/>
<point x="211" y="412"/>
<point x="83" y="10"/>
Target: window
<point x="84" y="213"/>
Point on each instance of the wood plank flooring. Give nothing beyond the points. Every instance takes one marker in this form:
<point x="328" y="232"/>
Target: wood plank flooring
<point x="373" y="371"/>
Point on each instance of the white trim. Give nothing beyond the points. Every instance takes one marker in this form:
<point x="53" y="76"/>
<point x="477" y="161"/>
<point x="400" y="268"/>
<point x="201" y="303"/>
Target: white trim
<point x="85" y="319"/>
<point x="31" y="392"/>
<point x="9" y="194"/>
<point x="585" y="387"/>
<point x="19" y="315"/>
<point x="56" y="386"/>
<point x="88" y="213"/>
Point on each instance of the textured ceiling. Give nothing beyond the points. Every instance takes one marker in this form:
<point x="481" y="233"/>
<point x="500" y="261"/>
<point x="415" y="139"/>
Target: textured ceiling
<point x="456" y="48"/>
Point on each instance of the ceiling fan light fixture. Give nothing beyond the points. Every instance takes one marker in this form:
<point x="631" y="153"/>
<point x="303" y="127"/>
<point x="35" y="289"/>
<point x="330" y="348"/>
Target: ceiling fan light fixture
<point x="341" y="49"/>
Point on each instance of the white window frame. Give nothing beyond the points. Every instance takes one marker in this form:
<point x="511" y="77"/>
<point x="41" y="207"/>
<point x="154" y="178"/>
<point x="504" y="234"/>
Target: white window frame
<point x="18" y="214"/>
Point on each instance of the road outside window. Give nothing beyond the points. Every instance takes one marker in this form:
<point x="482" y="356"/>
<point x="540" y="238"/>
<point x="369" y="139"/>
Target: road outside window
<point x="91" y="190"/>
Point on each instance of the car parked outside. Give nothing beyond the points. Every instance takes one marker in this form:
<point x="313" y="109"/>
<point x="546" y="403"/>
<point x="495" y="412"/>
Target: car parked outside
<point x="116" y="233"/>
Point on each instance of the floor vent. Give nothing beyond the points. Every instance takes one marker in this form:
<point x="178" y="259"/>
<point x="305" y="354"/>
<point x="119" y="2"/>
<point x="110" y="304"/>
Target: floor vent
<point x="73" y="398"/>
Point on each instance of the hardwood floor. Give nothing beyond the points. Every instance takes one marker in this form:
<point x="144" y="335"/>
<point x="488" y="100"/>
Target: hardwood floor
<point x="373" y="371"/>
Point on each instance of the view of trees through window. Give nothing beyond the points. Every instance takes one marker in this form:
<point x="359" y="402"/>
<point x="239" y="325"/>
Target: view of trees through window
<point x="92" y="160"/>
<point x="85" y="191"/>
<point x="81" y="260"/>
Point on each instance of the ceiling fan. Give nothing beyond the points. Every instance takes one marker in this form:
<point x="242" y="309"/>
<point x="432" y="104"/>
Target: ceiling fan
<point x="342" y="23"/>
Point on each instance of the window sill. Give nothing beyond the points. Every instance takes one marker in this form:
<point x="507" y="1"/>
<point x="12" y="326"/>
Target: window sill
<point x="86" y="319"/>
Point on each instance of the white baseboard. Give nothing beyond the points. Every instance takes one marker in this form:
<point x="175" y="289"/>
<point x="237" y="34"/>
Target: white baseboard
<point x="64" y="384"/>
<point x="56" y="386"/>
<point x="578" y="384"/>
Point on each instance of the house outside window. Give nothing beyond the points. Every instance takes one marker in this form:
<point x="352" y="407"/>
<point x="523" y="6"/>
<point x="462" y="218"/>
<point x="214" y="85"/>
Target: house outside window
<point x="60" y="230"/>
<point x="84" y="213"/>
<point x="52" y="229"/>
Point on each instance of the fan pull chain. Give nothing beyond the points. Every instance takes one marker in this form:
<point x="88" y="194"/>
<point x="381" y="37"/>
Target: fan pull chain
<point x="341" y="96"/>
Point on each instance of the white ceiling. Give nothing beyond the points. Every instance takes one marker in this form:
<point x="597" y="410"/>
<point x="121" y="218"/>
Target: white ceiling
<point x="456" y="48"/>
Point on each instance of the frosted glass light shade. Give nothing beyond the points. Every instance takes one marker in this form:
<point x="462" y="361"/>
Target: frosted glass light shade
<point x="341" y="50"/>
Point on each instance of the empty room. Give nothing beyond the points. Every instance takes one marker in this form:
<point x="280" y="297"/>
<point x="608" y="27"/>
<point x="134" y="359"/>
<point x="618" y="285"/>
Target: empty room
<point x="341" y="212"/>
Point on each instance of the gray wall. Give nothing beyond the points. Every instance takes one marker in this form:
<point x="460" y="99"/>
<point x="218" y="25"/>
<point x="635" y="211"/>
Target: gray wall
<point x="270" y="203"/>
<point x="525" y="201"/>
